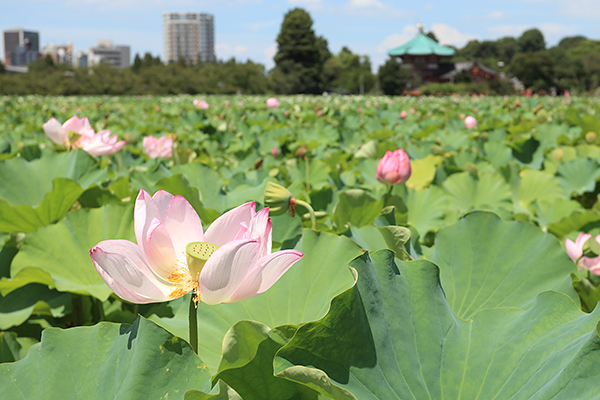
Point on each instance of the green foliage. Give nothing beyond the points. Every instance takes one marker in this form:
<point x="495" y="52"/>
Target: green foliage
<point x="300" y="55"/>
<point x="345" y="71"/>
<point x="531" y="41"/>
<point x="535" y="70"/>
<point x="393" y="79"/>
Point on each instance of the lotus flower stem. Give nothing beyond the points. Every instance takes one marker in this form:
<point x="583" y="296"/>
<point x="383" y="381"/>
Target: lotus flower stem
<point x="307" y="175"/>
<point x="193" y="321"/>
<point x="311" y="211"/>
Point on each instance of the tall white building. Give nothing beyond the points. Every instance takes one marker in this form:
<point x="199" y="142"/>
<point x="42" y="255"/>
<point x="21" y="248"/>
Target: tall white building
<point x="189" y="36"/>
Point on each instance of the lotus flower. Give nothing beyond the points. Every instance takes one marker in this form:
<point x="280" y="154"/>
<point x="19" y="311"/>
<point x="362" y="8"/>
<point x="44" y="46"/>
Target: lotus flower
<point x="231" y="261"/>
<point x="79" y="134"/>
<point x="575" y="251"/>
<point x="394" y="167"/>
<point x="272" y="102"/>
<point x="402" y="114"/>
<point x="201" y="104"/>
<point x="158" y="147"/>
<point x="470" y="122"/>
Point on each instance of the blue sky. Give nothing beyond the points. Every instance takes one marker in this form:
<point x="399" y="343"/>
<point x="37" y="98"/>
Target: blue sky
<point x="247" y="29"/>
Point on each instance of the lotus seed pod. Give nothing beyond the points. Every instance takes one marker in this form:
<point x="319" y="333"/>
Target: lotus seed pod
<point x="541" y="116"/>
<point x="470" y="168"/>
<point x="197" y="253"/>
<point x="277" y="198"/>
<point x="591" y="137"/>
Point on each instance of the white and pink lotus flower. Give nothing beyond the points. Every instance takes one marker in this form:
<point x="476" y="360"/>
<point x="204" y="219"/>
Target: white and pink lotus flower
<point x="575" y="251"/>
<point x="201" y="104"/>
<point x="158" y="147"/>
<point x="77" y="133"/>
<point x="272" y="102"/>
<point x="470" y="122"/>
<point x="230" y="262"/>
<point x="394" y="167"/>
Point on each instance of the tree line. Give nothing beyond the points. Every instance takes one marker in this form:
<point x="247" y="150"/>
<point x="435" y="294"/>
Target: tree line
<point x="304" y="64"/>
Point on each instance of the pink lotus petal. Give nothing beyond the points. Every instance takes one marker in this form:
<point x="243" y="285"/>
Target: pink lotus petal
<point x="130" y="276"/>
<point x="55" y="132"/>
<point x="183" y="225"/>
<point x="75" y="124"/>
<point x="145" y="211"/>
<point x="267" y="272"/>
<point x="162" y="199"/>
<point x="573" y="250"/>
<point x="261" y="227"/>
<point x="226" y="227"/>
<point x="226" y="269"/>
<point x="159" y="250"/>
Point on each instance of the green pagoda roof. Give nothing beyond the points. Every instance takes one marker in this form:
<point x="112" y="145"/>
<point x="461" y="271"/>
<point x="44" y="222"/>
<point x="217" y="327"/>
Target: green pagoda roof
<point x="421" y="45"/>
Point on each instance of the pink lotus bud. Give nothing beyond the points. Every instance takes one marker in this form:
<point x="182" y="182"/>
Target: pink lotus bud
<point x="412" y="110"/>
<point x="470" y="122"/>
<point x="272" y="102"/>
<point x="241" y="104"/>
<point x="566" y="93"/>
<point x="319" y="113"/>
<point x="286" y="113"/>
<point x="402" y="114"/>
<point x="394" y="167"/>
<point x="376" y="104"/>
<point x="275" y="151"/>
<point x="157" y="108"/>
<point x="359" y="110"/>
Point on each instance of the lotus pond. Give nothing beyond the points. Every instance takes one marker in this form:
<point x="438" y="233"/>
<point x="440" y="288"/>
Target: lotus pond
<point x="454" y="284"/>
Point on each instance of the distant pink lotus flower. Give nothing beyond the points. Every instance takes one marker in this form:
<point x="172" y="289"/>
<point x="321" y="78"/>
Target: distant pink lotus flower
<point x="77" y="133"/>
<point x="575" y="251"/>
<point x="566" y="93"/>
<point x="230" y="262"/>
<point x="201" y="104"/>
<point x="272" y="102"/>
<point x="286" y="113"/>
<point x="275" y="151"/>
<point x="241" y="104"/>
<point x="394" y="167"/>
<point x="470" y="122"/>
<point x="403" y="114"/>
<point x="412" y="110"/>
<point x="319" y="113"/>
<point x="359" y="110"/>
<point x="158" y="147"/>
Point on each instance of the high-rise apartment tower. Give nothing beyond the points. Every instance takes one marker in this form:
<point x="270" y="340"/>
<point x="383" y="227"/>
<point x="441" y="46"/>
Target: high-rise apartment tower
<point x="189" y="36"/>
<point x="21" y="47"/>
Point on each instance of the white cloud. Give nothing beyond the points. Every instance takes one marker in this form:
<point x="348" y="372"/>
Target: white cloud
<point x="373" y="8"/>
<point x="397" y="39"/>
<point x="269" y="54"/>
<point x="311" y="5"/>
<point x="581" y="8"/>
<point x="508" y="30"/>
<point x="240" y="49"/>
<point x="494" y="15"/>
<point x="449" y="35"/>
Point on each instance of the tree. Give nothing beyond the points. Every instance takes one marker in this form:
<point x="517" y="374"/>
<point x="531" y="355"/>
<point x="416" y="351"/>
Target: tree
<point x="432" y="36"/>
<point x="137" y="63"/>
<point x="344" y="72"/>
<point x="2" y="68"/>
<point x="507" y="48"/>
<point x="531" y="41"/>
<point x="393" y="78"/>
<point x="299" y="59"/>
<point x="535" y="70"/>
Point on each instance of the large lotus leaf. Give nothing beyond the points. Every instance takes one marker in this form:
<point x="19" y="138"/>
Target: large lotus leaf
<point x="588" y="293"/>
<point x="426" y="209"/>
<point x="106" y="361"/>
<point x="394" y="336"/>
<point x="301" y="295"/>
<point x="54" y="206"/>
<point x="356" y="207"/>
<point x="318" y="173"/>
<point x="578" y="176"/>
<point x="207" y="181"/>
<point x="536" y="185"/>
<point x="26" y="183"/>
<point x="486" y="262"/>
<point x="61" y="251"/>
<point x="423" y="171"/>
<point x="487" y="191"/>
<point x="498" y="153"/>
<point x="550" y="212"/>
<point x="247" y="366"/>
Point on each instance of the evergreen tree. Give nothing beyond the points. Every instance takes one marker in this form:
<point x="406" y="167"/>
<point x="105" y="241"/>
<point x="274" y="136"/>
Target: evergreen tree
<point x="300" y="55"/>
<point x="393" y="79"/>
<point x="137" y="63"/>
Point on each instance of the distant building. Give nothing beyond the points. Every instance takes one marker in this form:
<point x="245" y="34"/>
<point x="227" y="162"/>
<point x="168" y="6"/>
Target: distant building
<point x="189" y="36"/>
<point x="431" y="61"/>
<point x="21" y="47"/>
<point x="61" y="54"/>
<point x="104" y="53"/>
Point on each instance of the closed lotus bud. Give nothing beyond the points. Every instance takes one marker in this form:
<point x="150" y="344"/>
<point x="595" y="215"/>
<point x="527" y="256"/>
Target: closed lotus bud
<point x="394" y="167"/>
<point x="403" y="114"/>
<point x="558" y="153"/>
<point x="301" y="152"/>
<point x="470" y="122"/>
<point x="278" y="199"/>
<point x="471" y="168"/>
<point x="275" y="151"/>
<point x="591" y="137"/>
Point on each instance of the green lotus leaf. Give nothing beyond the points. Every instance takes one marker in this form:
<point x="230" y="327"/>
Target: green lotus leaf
<point x="578" y="176"/>
<point x="62" y="251"/>
<point x="487" y="191"/>
<point x="106" y="361"/>
<point x="356" y="207"/>
<point x="486" y="263"/>
<point x="426" y="209"/>
<point x="301" y="295"/>
<point x="579" y="221"/>
<point x="534" y="186"/>
<point x="423" y="171"/>
<point x="393" y="335"/>
<point x="13" y="348"/>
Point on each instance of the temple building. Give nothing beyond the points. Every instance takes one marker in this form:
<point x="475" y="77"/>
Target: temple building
<point x="432" y="61"/>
